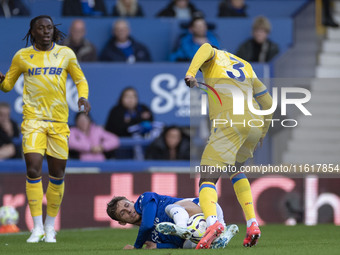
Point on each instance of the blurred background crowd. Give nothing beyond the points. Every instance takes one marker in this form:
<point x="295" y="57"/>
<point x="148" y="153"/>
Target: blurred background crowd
<point x="104" y="31"/>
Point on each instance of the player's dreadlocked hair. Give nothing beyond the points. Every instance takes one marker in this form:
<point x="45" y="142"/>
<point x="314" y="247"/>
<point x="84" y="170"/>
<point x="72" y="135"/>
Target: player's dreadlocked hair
<point x="57" y="34"/>
<point x="112" y="207"/>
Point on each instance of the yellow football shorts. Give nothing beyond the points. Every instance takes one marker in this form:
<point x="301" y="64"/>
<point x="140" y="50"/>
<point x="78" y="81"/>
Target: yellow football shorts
<point x="45" y="137"/>
<point x="234" y="141"/>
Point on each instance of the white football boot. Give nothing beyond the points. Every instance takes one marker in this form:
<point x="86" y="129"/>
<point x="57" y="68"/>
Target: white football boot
<point x="223" y="240"/>
<point x="168" y="228"/>
<point x="50" y="235"/>
<point x="36" y="236"/>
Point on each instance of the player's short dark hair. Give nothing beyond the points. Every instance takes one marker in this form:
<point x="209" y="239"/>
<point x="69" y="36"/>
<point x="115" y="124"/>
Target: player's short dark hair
<point x="57" y="34"/>
<point x="112" y="207"/>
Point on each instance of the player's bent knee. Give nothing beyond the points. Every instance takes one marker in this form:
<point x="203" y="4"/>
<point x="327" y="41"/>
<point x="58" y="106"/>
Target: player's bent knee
<point x="168" y="208"/>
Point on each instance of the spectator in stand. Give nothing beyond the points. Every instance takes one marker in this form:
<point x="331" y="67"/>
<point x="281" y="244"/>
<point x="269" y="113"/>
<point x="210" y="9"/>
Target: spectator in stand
<point x="189" y="43"/>
<point x="90" y="140"/>
<point x="180" y="9"/>
<point x="126" y="113"/>
<point x="8" y="131"/>
<point x="13" y="8"/>
<point x="259" y="48"/>
<point x="84" y="8"/>
<point x="171" y="145"/>
<point x="83" y="48"/>
<point x="122" y="47"/>
<point x="232" y="8"/>
<point x="127" y="8"/>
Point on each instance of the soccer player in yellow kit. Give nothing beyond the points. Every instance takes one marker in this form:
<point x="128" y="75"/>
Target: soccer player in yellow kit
<point x="235" y="141"/>
<point x="45" y="66"/>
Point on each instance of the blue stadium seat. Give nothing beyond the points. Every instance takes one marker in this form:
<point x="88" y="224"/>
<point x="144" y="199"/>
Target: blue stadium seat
<point x="160" y="39"/>
<point x="270" y="8"/>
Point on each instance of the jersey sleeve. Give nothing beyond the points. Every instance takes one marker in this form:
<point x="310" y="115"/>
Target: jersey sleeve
<point x="266" y="102"/>
<point x="259" y="88"/>
<point x="204" y="54"/>
<point x="263" y="97"/>
<point x="167" y="246"/>
<point x="12" y="75"/>
<point x="148" y="216"/>
<point x="77" y="75"/>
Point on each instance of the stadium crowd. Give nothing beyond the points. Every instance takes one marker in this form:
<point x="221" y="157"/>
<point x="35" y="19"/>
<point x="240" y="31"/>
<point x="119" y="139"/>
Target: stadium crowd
<point x="129" y="118"/>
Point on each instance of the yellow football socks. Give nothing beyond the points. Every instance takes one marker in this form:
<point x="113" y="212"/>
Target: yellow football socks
<point x="34" y="192"/>
<point x="54" y="195"/>
<point x="243" y="193"/>
<point x="208" y="199"/>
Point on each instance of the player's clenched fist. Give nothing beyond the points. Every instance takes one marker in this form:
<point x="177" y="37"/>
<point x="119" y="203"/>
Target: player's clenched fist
<point x="190" y="81"/>
<point x="84" y="105"/>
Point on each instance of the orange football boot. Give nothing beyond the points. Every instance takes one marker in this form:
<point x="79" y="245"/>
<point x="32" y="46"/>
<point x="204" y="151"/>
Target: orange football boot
<point x="210" y="235"/>
<point x="252" y="236"/>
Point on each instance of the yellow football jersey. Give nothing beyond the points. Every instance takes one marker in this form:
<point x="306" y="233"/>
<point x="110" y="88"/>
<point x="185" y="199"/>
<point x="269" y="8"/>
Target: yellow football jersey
<point x="45" y="74"/>
<point x="223" y="68"/>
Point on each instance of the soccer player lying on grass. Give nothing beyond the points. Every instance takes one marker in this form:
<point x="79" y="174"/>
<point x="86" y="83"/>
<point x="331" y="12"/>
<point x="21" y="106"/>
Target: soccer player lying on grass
<point x="162" y="220"/>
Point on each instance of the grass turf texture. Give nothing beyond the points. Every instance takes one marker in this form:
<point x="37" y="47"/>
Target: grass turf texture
<point x="276" y="239"/>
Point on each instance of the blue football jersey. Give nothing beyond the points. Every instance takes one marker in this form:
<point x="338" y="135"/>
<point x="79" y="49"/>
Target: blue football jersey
<point x="156" y="213"/>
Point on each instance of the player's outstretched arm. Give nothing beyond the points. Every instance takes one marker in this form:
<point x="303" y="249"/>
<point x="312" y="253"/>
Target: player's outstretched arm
<point x="146" y="227"/>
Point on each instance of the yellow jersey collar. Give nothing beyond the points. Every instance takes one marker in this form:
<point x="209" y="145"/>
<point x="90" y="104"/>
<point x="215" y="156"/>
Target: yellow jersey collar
<point x="51" y="48"/>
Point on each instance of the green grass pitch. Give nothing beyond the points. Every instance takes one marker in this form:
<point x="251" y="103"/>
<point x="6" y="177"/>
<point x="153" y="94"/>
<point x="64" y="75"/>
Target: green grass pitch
<point x="275" y="239"/>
